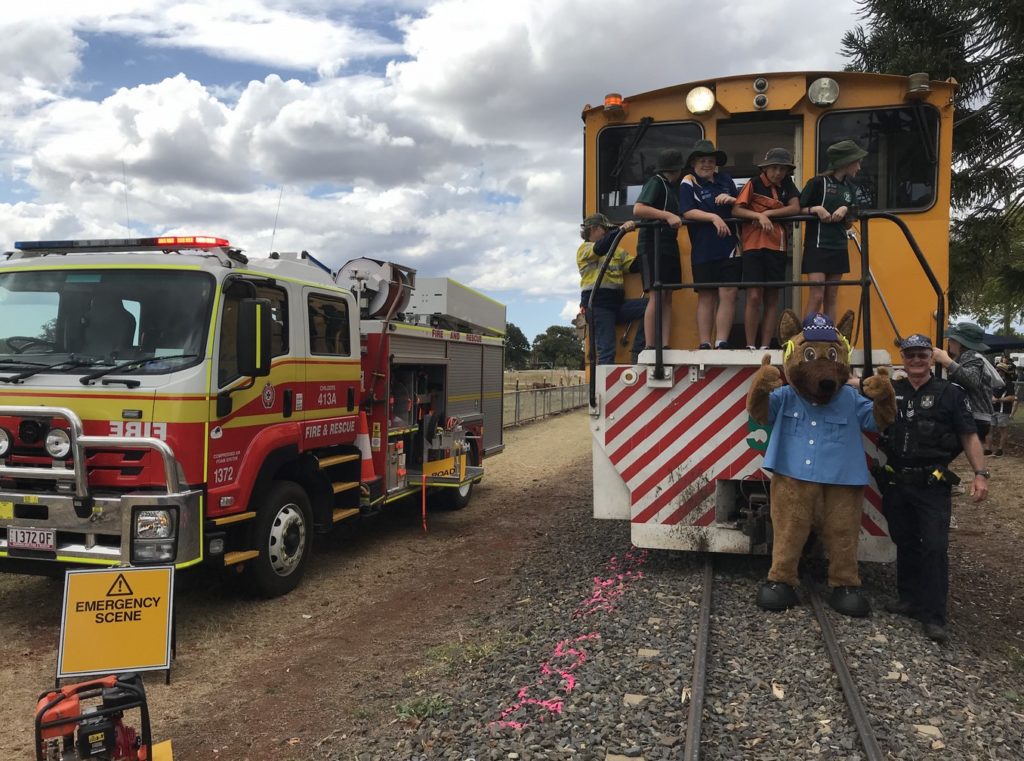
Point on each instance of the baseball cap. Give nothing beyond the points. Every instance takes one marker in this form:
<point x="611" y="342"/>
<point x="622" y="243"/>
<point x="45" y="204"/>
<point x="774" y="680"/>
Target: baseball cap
<point x="819" y="327"/>
<point x="916" y="341"/>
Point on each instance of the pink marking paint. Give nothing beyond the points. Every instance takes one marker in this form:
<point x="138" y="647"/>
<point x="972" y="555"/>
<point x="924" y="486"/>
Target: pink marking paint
<point x="557" y="676"/>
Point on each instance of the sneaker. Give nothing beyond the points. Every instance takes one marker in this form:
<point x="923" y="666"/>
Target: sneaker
<point x="936" y="632"/>
<point x="999" y="453"/>
<point x="988" y="452"/>
<point x="901" y="608"/>
<point x="704" y="346"/>
<point x="722" y="345"/>
<point x="751" y="348"/>
<point x="952" y="523"/>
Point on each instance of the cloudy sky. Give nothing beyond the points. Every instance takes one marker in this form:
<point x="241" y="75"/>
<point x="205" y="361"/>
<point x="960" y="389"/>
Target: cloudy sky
<point x="443" y="134"/>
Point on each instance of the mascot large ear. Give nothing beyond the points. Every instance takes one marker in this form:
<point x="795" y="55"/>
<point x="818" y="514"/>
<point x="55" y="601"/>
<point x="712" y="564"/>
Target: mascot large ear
<point x="845" y="325"/>
<point x="789" y="325"/>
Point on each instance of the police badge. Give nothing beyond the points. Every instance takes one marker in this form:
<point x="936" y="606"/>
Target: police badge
<point x="927" y="401"/>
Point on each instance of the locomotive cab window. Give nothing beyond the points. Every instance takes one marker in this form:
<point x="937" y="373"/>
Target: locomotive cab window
<point x="901" y="171"/>
<point x="628" y="155"/>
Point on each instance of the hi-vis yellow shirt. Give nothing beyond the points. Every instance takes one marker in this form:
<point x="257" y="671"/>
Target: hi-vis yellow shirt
<point x="589" y="264"/>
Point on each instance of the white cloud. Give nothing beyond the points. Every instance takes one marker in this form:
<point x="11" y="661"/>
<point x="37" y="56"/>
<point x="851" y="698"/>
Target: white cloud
<point x="462" y="158"/>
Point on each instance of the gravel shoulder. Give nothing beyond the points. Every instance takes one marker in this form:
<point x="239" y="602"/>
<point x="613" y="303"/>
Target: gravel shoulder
<point x="521" y="625"/>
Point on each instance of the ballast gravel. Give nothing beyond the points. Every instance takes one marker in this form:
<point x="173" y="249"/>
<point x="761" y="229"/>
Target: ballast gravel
<point x="588" y="655"/>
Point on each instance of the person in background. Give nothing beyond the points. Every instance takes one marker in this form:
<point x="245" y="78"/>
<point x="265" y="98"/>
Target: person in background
<point x="659" y="200"/>
<point x="1004" y="405"/>
<point x="706" y="195"/>
<point x="610" y="306"/>
<point x="763" y="200"/>
<point x="965" y="366"/>
<point x="829" y="197"/>
<point x="933" y="425"/>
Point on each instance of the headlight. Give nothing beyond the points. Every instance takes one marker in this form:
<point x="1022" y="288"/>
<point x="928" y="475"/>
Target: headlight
<point x="58" y="443"/>
<point x="5" y="441"/>
<point x="154" y="524"/>
<point x="823" y="92"/>
<point x="700" y="100"/>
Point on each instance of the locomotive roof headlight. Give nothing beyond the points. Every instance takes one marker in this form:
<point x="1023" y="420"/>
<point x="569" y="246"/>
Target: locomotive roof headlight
<point x="700" y="100"/>
<point x="58" y="443"/>
<point x="823" y="91"/>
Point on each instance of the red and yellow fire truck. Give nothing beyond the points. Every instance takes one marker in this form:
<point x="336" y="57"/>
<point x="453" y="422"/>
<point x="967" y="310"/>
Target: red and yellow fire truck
<point x="172" y="401"/>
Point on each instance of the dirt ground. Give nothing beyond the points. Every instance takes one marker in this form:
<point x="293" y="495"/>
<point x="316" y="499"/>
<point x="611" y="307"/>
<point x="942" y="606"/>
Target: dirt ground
<point x="258" y="680"/>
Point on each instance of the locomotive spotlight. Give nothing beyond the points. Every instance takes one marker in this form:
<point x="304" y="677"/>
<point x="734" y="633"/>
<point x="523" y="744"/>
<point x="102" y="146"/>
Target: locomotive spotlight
<point x="823" y="92"/>
<point x="700" y="100"/>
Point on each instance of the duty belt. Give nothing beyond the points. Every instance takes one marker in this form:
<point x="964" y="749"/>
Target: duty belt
<point x="925" y="475"/>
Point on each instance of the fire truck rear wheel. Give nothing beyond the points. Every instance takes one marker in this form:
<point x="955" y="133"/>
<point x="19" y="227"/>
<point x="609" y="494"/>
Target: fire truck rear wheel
<point x="284" y="538"/>
<point x="458" y="498"/>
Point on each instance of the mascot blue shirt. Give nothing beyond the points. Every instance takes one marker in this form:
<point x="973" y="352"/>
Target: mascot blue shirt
<point x="820" y="443"/>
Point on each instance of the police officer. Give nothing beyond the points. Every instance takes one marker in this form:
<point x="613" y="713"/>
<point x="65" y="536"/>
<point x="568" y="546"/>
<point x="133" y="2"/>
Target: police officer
<point x="933" y="425"/>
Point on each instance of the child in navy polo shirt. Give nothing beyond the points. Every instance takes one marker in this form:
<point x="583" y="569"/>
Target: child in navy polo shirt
<point x="763" y="200"/>
<point x="706" y="195"/>
<point x="829" y="197"/>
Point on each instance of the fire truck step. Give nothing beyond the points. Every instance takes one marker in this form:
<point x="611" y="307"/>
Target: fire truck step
<point x="234" y="518"/>
<point x="341" y="486"/>
<point x="337" y="459"/>
<point x="341" y="513"/>
<point x="231" y="558"/>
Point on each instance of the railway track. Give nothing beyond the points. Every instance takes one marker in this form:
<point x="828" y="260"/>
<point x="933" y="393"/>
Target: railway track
<point x="857" y="711"/>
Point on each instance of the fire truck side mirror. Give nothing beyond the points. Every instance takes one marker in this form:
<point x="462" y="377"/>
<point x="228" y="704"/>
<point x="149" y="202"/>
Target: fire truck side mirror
<point x="255" y="331"/>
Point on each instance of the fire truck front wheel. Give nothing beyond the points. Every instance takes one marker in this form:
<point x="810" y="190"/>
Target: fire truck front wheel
<point x="284" y="538"/>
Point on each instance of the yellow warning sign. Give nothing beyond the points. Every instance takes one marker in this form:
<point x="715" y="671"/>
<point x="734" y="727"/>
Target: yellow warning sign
<point x="116" y="620"/>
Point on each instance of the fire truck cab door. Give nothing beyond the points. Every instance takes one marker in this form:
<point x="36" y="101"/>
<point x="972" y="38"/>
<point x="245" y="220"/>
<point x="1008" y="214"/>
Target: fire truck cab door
<point x="257" y="404"/>
<point x="329" y="400"/>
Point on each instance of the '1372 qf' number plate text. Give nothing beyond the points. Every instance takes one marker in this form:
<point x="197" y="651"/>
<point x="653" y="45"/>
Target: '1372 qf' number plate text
<point x="31" y="538"/>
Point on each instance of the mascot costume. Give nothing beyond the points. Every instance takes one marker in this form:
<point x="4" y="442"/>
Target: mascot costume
<point x="816" y="454"/>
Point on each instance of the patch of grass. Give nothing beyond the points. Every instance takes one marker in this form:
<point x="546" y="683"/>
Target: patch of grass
<point x="1016" y="656"/>
<point x="423" y="708"/>
<point x="1015" y="696"/>
<point x="454" y="656"/>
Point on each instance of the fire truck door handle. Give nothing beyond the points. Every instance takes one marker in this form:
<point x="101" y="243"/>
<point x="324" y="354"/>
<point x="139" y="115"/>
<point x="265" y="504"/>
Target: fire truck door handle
<point x="287" y="402"/>
<point x="350" y="402"/>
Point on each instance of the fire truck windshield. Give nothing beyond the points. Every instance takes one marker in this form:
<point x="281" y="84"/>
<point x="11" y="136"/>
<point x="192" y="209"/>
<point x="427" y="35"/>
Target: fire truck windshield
<point x="73" y="318"/>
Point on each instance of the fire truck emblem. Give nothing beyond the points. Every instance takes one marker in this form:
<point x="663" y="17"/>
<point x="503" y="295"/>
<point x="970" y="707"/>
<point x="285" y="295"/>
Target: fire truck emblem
<point x="269" y="395"/>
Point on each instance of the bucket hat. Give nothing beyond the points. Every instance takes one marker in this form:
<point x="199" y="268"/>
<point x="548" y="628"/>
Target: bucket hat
<point x="968" y="335"/>
<point x="595" y="220"/>
<point x="706" y="148"/>
<point x="778" y="157"/>
<point x="670" y="160"/>
<point x="842" y="153"/>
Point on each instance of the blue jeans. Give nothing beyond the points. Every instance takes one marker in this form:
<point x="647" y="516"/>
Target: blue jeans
<point x="603" y="322"/>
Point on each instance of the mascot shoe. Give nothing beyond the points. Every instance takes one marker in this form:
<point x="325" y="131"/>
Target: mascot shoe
<point x="776" y="595"/>
<point x="850" y="601"/>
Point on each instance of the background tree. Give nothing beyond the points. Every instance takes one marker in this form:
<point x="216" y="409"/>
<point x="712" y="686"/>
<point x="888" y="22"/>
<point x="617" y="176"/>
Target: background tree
<point x="517" y="348"/>
<point x="981" y="45"/>
<point x="558" y="346"/>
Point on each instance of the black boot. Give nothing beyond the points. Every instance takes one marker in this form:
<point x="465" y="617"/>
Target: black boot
<point x="776" y="595"/>
<point x="850" y="601"/>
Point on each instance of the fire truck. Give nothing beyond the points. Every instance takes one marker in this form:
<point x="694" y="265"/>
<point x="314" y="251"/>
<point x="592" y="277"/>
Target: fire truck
<point x="172" y="401"/>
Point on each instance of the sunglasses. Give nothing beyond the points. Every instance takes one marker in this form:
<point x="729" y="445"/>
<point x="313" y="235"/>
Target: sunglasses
<point x="922" y="354"/>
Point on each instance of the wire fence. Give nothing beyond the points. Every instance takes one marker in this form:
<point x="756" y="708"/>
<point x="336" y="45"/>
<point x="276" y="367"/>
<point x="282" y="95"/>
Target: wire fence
<point x="525" y="405"/>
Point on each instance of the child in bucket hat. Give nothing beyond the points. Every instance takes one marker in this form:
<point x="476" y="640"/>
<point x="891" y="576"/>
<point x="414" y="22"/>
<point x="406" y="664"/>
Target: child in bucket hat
<point x="829" y="197"/>
<point x="659" y="200"/>
<point x="706" y="195"/>
<point x="764" y="241"/>
<point x="965" y="365"/>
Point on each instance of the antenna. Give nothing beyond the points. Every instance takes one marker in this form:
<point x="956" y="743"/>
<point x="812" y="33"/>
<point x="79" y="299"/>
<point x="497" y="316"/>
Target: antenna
<point x="127" y="216"/>
<point x="276" y="215"/>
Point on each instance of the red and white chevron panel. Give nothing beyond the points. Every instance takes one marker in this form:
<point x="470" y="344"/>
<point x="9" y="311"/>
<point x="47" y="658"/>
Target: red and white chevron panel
<point x="670" y="445"/>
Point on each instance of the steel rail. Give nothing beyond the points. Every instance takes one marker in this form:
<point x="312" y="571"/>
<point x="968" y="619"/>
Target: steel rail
<point x="853" y="701"/>
<point x="691" y="749"/>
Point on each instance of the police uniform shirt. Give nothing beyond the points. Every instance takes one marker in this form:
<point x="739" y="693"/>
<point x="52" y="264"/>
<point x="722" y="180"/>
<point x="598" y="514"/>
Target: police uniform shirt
<point x="814" y="442"/>
<point x="937" y="399"/>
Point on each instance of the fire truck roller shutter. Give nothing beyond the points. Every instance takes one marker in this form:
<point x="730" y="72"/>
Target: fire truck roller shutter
<point x="410" y="349"/>
<point x="465" y="373"/>
<point x="493" y="378"/>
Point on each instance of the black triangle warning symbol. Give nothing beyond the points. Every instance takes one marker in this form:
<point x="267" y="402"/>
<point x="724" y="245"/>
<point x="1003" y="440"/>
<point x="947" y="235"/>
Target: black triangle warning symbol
<point x="120" y="587"/>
